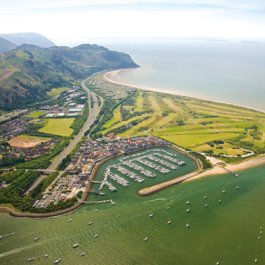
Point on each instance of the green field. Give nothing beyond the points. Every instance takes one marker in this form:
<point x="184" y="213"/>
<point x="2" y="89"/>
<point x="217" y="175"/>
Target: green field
<point x="35" y="114"/>
<point x="226" y="232"/>
<point x="190" y="123"/>
<point x="55" y="92"/>
<point x="59" y="127"/>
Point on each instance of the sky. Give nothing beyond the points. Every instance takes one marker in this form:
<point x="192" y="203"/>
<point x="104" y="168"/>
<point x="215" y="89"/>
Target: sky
<point x="65" y="21"/>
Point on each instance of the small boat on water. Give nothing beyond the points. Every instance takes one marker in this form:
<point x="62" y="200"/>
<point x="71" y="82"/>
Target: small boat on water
<point x="70" y="220"/>
<point x="31" y="259"/>
<point x="82" y="254"/>
<point x="151" y="215"/>
<point x="188" y="210"/>
<point x="90" y="223"/>
<point x="95" y="236"/>
<point x="57" y="261"/>
<point x="187" y="225"/>
<point x="219" y="201"/>
<point x="46" y="256"/>
<point x="187" y="202"/>
<point x="206" y="205"/>
<point x="169" y="222"/>
<point x="146" y="238"/>
<point x="36" y="238"/>
<point x="75" y="245"/>
<point x="168" y="208"/>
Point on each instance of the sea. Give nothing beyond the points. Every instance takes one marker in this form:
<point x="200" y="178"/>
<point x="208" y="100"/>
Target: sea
<point x="225" y="71"/>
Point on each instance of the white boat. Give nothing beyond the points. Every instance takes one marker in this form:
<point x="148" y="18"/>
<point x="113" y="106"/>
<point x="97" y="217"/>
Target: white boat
<point x="31" y="259"/>
<point x="169" y="222"/>
<point x="95" y="236"/>
<point x="57" y="261"/>
<point x="151" y="215"/>
<point x="36" y="238"/>
<point x="82" y="254"/>
<point x="90" y="223"/>
<point x="187" y="225"/>
<point x="75" y="245"/>
<point x="70" y="220"/>
<point x="146" y="238"/>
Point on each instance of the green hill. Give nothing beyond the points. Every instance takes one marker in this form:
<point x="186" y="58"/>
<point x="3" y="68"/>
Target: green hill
<point x="28" y="72"/>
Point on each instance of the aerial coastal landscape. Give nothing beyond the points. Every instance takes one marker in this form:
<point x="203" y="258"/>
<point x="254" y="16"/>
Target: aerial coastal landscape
<point x="140" y="149"/>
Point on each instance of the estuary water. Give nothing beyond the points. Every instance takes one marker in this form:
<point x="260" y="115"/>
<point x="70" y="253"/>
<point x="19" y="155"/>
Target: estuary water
<point x="231" y="72"/>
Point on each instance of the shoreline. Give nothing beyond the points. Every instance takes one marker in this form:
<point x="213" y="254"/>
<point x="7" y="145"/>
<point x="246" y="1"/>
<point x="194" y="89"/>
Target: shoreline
<point x="235" y="168"/>
<point x="113" y="74"/>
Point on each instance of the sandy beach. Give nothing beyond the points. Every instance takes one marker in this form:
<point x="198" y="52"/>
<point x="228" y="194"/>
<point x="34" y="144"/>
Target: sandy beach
<point x="113" y="77"/>
<point x="216" y="170"/>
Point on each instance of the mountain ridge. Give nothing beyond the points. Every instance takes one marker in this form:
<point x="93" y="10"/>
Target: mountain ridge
<point x="28" y="38"/>
<point x="28" y="72"/>
<point x="6" y="45"/>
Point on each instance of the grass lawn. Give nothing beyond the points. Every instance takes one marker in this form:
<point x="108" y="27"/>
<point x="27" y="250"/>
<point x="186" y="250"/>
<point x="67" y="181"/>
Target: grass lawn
<point x="55" y="92"/>
<point x="35" y="114"/>
<point x="59" y="127"/>
<point x="225" y="149"/>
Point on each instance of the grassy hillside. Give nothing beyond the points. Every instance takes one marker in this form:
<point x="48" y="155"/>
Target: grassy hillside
<point x="29" y="72"/>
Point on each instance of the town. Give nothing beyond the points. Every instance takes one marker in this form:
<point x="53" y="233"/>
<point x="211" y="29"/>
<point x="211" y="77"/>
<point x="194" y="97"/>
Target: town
<point x="79" y="175"/>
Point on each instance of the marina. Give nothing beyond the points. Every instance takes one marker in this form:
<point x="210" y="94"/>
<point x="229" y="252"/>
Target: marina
<point x="137" y="167"/>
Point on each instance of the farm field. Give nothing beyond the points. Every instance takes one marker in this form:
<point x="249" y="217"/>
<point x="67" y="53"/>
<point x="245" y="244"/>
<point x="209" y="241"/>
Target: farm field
<point x="122" y="228"/>
<point x="27" y="141"/>
<point x="60" y="127"/>
<point x="190" y="123"/>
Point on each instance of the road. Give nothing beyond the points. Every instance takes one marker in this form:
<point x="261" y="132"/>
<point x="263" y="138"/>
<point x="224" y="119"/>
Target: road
<point x="92" y="116"/>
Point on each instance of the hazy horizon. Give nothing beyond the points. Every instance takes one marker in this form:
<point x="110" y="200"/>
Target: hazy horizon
<point x="80" y="21"/>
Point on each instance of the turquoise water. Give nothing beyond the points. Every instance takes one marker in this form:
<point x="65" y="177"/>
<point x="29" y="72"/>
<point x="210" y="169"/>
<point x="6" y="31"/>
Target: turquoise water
<point x="221" y="71"/>
<point x="227" y="232"/>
